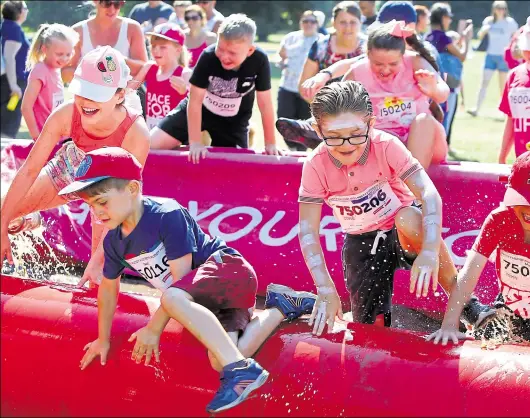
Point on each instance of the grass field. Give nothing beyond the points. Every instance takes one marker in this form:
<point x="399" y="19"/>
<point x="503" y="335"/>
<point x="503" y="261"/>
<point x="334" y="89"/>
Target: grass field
<point x="473" y="139"/>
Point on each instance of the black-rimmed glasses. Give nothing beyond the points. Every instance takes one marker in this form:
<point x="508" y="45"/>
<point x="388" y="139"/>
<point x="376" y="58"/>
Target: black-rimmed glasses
<point x="352" y="140"/>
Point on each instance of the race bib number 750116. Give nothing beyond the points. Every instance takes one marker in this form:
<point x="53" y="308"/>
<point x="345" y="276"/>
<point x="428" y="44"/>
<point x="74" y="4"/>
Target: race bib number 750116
<point x="154" y="267"/>
<point x="515" y="280"/>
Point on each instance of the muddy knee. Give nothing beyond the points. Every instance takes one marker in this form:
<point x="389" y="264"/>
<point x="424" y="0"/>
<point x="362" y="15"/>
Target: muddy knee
<point x="174" y="296"/>
<point x="409" y="222"/>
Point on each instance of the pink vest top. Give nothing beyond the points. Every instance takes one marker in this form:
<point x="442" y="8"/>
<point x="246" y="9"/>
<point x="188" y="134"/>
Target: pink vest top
<point x="395" y="103"/>
<point x="196" y="53"/>
<point x="160" y="97"/>
<point x="87" y="142"/>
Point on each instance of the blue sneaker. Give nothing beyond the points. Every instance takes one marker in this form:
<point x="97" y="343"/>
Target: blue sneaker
<point x="292" y="304"/>
<point x="238" y="380"/>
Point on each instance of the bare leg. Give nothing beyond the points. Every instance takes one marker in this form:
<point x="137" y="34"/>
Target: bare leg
<point x="162" y="140"/>
<point x="410" y="232"/>
<point x="486" y="78"/>
<point x="202" y="323"/>
<point x="426" y="140"/>
<point x="41" y="196"/>
<point x="502" y="81"/>
<point x="255" y="334"/>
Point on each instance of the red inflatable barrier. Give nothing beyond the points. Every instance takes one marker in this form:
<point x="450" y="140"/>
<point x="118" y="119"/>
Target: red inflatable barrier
<point x="364" y="371"/>
<point x="250" y="201"/>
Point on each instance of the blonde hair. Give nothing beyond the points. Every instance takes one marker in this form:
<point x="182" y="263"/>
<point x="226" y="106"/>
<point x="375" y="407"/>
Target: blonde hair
<point x="184" y="57"/>
<point x="45" y="36"/>
<point x="499" y="4"/>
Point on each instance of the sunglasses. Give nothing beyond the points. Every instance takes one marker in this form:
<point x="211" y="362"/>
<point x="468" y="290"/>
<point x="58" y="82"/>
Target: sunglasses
<point x="312" y="21"/>
<point x="107" y="4"/>
<point x="203" y="2"/>
<point x="191" y="17"/>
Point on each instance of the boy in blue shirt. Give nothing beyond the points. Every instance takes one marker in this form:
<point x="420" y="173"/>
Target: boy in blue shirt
<point x="163" y="243"/>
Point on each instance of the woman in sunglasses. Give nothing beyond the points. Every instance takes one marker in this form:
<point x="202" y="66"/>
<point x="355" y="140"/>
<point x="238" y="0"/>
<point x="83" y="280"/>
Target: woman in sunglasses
<point x="294" y="48"/>
<point x="198" y="38"/>
<point x="370" y="180"/>
<point x="107" y="27"/>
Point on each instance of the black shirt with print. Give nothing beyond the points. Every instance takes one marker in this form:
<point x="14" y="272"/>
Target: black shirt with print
<point x="224" y="87"/>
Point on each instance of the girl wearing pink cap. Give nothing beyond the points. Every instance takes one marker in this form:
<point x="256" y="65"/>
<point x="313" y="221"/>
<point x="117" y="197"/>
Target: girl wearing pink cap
<point x="506" y="236"/>
<point x="166" y="79"/>
<point x="515" y="102"/>
<point x="97" y="117"/>
<point x="400" y="84"/>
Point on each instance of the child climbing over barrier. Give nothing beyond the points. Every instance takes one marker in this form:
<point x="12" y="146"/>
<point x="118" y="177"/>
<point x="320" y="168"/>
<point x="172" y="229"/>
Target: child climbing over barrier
<point x="166" y="79"/>
<point x="163" y="243"/>
<point x="370" y="180"/>
<point x="51" y="50"/>
<point x="506" y="234"/>
<point x="97" y="117"/>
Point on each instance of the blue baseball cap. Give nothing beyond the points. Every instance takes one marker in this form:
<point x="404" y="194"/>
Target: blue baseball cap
<point x="397" y="10"/>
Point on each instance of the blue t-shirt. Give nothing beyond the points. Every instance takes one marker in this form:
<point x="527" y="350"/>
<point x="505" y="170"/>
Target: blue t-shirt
<point x="142" y="12"/>
<point x="439" y="39"/>
<point x="11" y="31"/>
<point x="166" y="231"/>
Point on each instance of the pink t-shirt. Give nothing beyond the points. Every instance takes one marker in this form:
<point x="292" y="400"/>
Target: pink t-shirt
<point x="397" y="102"/>
<point x="51" y="94"/>
<point x="366" y="195"/>
<point x="160" y="97"/>
<point x="515" y="103"/>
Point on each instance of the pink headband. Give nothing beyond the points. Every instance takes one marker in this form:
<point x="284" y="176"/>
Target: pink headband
<point x="401" y="30"/>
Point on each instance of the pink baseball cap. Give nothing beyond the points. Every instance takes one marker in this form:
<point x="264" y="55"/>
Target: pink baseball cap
<point x="524" y="37"/>
<point x="169" y="31"/>
<point x="518" y="188"/>
<point x="102" y="164"/>
<point x="99" y="74"/>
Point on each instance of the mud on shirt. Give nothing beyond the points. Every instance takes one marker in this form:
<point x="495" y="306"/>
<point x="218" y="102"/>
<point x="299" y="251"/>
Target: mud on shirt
<point x="230" y="93"/>
<point x="502" y="232"/>
<point x="166" y="231"/>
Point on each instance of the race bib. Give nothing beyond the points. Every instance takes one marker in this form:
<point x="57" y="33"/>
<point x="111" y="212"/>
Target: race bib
<point x="519" y="98"/>
<point x="222" y="106"/>
<point x="57" y="99"/>
<point x="397" y="110"/>
<point x="154" y="267"/>
<point x="515" y="282"/>
<point x="371" y="207"/>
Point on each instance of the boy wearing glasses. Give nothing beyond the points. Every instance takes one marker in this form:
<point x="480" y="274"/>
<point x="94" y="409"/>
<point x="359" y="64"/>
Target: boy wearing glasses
<point x="370" y="180"/>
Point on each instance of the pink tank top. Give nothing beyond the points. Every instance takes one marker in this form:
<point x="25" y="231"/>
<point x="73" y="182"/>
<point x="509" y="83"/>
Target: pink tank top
<point x="160" y="97"/>
<point x="196" y="53"/>
<point x="87" y="142"/>
<point x="395" y="103"/>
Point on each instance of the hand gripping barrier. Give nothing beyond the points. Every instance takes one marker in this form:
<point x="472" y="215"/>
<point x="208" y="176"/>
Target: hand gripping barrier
<point x="365" y="371"/>
<point x="250" y="200"/>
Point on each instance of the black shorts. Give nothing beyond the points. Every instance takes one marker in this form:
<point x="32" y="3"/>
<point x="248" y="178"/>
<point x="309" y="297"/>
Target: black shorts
<point x="370" y="277"/>
<point x="292" y="106"/>
<point x="225" y="132"/>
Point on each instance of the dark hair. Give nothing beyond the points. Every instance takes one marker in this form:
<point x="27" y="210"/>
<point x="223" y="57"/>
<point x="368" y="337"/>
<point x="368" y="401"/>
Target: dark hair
<point x="11" y="10"/>
<point x="104" y="186"/>
<point x="381" y="38"/>
<point x="350" y="7"/>
<point x="341" y="97"/>
<point x="438" y="11"/>
<point x="420" y="11"/>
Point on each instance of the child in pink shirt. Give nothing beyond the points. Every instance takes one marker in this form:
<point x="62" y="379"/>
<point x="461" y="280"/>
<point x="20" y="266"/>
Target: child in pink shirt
<point x="515" y="103"/>
<point x="51" y="50"/>
<point x="167" y="78"/>
<point x="370" y="180"/>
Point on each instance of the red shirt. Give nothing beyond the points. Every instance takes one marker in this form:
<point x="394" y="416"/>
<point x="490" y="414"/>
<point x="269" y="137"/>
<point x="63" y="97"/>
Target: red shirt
<point x="515" y="103"/>
<point x="502" y="232"/>
<point x="160" y="97"/>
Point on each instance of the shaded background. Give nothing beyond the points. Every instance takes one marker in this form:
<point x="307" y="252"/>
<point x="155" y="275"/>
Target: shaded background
<point x="271" y="16"/>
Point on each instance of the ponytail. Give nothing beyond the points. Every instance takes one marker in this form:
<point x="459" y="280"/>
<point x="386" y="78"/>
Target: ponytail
<point x="35" y="53"/>
<point x="184" y="58"/>
<point x="44" y="36"/>
<point x="418" y="46"/>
